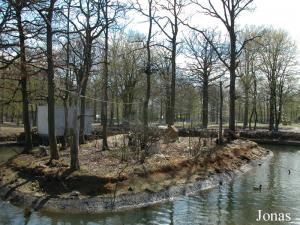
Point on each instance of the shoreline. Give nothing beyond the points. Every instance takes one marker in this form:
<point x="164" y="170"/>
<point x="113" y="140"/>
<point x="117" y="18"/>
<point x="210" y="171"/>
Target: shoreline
<point x="100" y="204"/>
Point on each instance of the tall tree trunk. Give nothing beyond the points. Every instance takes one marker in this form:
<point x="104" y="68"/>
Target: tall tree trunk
<point x="54" y="154"/>
<point x="267" y="112"/>
<point x="220" y="136"/>
<point x="173" y="81"/>
<point x="2" y="100"/>
<point x="117" y="111"/>
<point x="26" y="120"/>
<point x="232" y="72"/>
<point x="24" y="78"/>
<point x="255" y="118"/>
<point x="246" y="108"/>
<point x="205" y="101"/>
<point x="95" y="104"/>
<point x="66" y="123"/>
<point x="105" y="84"/>
<point x="75" y="134"/>
<point x="255" y="102"/>
<point x="2" y="114"/>
<point x="250" y="119"/>
<point x="85" y="76"/>
<point x="32" y="115"/>
<point x="82" y="112"/>
<point x="112" y="109"/>
<point x="272" y="108"/>
<point x="148" y="78"/>
<point x="66" y="94"/>
<point x="168" y="104"/>
<point x="279" y="113"/>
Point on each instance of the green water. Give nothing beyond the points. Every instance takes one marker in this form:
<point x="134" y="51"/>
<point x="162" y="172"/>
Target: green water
<point x="235" y="203"/>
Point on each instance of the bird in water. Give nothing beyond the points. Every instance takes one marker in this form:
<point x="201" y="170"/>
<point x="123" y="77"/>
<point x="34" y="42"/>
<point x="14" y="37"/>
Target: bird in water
<point x="289" y="172"/>
<point x="257" y="188"/>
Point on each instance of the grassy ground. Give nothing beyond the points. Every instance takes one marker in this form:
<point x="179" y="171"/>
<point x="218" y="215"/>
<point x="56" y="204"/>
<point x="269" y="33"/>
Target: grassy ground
<point x="12" y="130"/>
<point x="225" y="125"/>
<point x="9" y="131"/>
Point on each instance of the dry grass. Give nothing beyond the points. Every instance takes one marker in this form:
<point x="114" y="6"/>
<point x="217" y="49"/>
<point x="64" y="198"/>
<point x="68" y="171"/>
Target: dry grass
<point x="102" y="172"/>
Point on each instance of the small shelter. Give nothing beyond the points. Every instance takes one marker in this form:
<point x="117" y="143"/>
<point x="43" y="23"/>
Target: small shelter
<point x="42" y="120"/>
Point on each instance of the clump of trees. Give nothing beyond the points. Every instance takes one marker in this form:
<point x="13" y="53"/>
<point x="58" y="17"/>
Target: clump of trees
<point x="81" y="54"/>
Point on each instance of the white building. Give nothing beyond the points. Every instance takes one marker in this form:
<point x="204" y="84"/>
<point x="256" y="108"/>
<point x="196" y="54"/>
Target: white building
<point x="42" y="120"/>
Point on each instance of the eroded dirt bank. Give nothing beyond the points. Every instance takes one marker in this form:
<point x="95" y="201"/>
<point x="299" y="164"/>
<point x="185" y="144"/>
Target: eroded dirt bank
<point x="108" y="182"/>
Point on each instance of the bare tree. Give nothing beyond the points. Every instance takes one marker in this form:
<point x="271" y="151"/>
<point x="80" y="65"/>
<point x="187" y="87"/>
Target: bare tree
<point x="46" y="10"/>
<point x="112" y="10"/>
<point x="203" y="65"/>
<point x="88" y="23"/>
<point x="67" y="80"/>
<point x="105" y="80"/>
<point x="169" y="26"/>
<point x="247" y="72"/>
<point x="220" y="136"/>
<point x="278" y="64"/>
<point x="149" y="13"/>
<point x="18" y="7"/>
<point x="227" y="11"/>
<point x="6" y="14"/>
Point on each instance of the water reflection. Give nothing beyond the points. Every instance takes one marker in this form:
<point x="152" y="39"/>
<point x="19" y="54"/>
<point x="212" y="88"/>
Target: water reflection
<point x="230" y="204"/>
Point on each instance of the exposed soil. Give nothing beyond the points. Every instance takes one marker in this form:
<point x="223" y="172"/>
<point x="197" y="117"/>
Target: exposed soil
<point x="109" y="172"/>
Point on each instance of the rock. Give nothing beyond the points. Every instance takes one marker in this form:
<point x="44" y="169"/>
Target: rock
<point x="171" y="134"/>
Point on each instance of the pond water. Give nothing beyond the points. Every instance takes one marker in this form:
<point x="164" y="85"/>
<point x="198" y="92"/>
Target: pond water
<point x="235" y="203"/>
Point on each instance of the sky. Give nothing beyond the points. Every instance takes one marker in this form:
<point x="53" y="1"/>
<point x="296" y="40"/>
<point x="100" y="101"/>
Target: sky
<point x="283" y="14"/>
